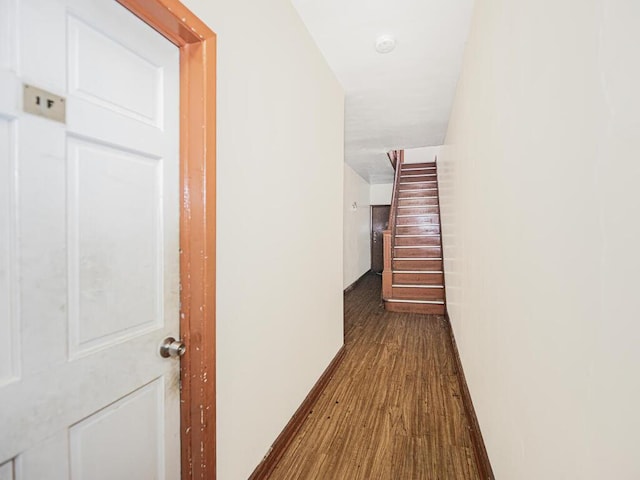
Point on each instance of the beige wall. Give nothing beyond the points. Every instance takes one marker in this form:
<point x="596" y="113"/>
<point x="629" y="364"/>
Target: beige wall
<point x="280" y="187"/>
<point x="357" y="227"/>
<point x="380" y="194"/>
<point x="540" y="206"/>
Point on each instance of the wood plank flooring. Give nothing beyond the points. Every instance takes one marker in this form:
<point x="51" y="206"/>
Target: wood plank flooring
<point x="393" y="409"/>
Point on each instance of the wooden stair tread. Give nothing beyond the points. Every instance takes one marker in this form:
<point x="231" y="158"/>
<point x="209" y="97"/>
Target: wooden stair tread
<point x="419" y="264"/>
<point x="416" y="258"/>
<point x="430" y="302"/>
<point x="417" y="271"/>
<point x="405" y="166"/>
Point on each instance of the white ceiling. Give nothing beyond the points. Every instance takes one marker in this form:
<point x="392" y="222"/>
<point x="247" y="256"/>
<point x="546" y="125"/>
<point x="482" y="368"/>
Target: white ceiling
<point x="400" y="99"/>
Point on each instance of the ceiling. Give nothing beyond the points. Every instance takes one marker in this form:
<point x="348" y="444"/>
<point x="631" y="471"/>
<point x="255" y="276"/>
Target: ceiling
<point x="395" y="100"/>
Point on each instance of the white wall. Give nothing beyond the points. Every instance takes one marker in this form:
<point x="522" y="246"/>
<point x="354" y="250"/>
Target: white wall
<point x="421" y="154"/>
<point x="380" y="194"/>
<point x="357" y="227"/>
<point x="280" y="187"/>
<point x="540" y="202"/>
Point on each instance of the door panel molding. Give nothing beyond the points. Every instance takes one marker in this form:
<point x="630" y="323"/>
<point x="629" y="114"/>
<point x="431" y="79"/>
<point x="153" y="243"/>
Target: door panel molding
<point x="197" y="45"/>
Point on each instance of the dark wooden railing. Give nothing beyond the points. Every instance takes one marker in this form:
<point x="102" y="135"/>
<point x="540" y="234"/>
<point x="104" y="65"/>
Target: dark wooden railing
<point x="394" y="155"/>
<point x="397" y="159"/>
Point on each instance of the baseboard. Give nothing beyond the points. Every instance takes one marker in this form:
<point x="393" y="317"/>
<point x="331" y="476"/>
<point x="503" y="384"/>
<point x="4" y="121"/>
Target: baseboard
<point x="264" y="470"/>
<point x="354" y="284"/>
<point x="479" y="449"/>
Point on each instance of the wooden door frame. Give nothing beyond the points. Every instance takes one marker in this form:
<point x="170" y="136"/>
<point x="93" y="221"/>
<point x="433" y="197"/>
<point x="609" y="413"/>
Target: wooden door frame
<point x="371" y="207"/>
<point x="197" y="44"/>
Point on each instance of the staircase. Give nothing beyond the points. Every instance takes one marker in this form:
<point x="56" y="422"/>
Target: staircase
<point x="413" y="279"/>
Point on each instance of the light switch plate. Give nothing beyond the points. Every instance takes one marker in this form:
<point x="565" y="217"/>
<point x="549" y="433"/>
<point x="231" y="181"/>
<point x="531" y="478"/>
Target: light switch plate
<point x="45" y="104"/>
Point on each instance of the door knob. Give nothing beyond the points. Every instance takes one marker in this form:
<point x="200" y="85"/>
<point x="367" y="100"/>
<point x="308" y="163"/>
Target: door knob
<point x="172" y="348"/>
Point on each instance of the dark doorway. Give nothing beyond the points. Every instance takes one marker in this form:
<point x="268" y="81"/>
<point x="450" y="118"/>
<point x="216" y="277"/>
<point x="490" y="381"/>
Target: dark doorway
<point x="379" y="223"/>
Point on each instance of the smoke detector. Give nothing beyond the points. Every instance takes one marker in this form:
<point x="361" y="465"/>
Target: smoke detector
<point x="385" y="43"/>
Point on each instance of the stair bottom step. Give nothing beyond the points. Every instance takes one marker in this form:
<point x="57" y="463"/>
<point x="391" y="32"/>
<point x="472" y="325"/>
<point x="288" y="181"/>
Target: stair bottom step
<point x="414" y="307"/>
<point x="418" y="293"/>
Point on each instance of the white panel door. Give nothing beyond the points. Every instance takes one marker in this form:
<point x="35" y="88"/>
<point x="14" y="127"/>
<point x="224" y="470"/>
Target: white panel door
<point x="89" y="231"/>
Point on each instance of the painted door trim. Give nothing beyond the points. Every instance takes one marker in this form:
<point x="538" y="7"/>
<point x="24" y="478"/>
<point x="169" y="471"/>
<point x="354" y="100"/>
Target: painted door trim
<point x="197" y="45"/>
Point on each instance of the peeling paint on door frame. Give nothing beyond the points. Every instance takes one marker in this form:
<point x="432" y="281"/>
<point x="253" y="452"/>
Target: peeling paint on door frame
<point x="197" y="44"/>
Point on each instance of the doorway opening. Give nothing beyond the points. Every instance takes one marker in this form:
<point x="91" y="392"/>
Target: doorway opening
<point x="379" y="223"/>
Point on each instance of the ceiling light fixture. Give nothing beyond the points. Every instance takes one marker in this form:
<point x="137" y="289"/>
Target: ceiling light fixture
<point x="385" y="43"/>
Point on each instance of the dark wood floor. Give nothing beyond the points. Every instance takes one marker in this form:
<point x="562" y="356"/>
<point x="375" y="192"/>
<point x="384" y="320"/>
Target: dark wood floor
<point x="393" y="409"/>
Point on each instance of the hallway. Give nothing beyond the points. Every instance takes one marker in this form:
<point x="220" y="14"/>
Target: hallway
<point x="393" y="409"/>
